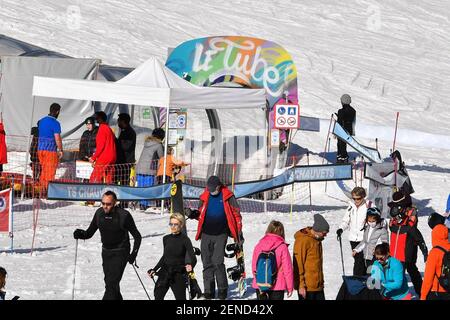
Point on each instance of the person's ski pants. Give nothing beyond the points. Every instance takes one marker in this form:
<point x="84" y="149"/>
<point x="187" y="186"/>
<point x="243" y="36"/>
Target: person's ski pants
<point x="213" y="255"/>
<point x="102" y="173"/>
<point x="175" y="281"/>
<point x="415" y="276"/>
<point x="145" y="180"/>
<point x="49" y="164"/>
<point x="359" y="266"/>
<point x="270" y="295"/>
<point x="114" y="263"/>
<point x="341" y="149"/>
<point x="313" y="296"/>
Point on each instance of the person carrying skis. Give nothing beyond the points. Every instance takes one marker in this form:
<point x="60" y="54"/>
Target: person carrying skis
<point x="177" y="261"/>
<point x="274" y="240"/>
<point x="406" y="237"/>
<point x="308" y="260"/>
<point x="345" y="117"/>
<point x="114" y="224"/>
<point x="375" y="232"/>
<point x="387" y="272"/>
<point x="218" y="218"/>
<point x="354" y="220"/>
<point x="431" y="288"/>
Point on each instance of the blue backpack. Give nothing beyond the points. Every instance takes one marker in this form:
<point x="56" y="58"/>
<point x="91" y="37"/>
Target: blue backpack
<point x="266" y="270"/>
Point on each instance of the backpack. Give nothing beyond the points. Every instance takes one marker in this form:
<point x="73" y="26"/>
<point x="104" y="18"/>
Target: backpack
<point x="444" y="278"/>
<point x="266" y="270"/>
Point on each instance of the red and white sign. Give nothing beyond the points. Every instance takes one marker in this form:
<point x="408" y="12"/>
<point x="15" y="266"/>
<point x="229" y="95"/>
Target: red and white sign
<point x="5" y="211"/>
<point x="286" y="116"/>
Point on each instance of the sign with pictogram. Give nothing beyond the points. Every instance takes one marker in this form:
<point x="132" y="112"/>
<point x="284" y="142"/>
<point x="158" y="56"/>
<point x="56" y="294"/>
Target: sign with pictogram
<point x="286" y="116"/>
<point x="177" y="120"/>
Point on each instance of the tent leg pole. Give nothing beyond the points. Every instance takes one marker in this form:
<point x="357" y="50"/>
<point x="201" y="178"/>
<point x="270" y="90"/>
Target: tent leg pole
<point x="26" y="155"/>
<point x="166" y="143"/>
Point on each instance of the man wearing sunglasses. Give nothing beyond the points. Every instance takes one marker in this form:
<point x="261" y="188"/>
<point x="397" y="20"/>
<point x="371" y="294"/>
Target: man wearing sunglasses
<point x="114" y="224"/>
<point x="354" y="220"/>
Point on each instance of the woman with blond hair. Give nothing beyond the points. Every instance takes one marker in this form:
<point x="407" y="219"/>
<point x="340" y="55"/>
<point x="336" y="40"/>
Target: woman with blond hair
<point x="177" y="261"/>
<point x="274" y="241"/>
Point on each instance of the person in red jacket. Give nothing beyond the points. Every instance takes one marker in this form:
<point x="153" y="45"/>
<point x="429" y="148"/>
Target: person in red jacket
<point x="104" y="158"/>
<point x="3" y="150"/>
<point x="218" y="218"/>
<point x="406" y="237"/>
<point x="431" y="288"/>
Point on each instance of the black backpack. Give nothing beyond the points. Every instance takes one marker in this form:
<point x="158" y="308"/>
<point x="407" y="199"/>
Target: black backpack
<point x="444" y="279"/>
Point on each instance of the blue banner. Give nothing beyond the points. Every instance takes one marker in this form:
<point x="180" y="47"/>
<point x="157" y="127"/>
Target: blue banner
<point x="94" y="192"/>
<point x="370" y="153"/>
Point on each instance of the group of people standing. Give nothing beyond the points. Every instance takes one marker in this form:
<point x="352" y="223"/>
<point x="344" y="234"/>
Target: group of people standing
<point x="112" y="158"/>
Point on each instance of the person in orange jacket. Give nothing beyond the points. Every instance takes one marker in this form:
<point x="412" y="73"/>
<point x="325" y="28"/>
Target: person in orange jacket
<point x="3" y="150"/>
<point x="170" y="166"/>
<point x="104" y="158"/>
<point x="431" y="289"/>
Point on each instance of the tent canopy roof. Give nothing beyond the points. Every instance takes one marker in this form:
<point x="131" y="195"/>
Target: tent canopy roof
<point x="151" y="84"/>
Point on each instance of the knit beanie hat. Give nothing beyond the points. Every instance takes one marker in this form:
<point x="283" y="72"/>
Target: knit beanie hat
<point x="320" y="224"/>
<point x="346" y="99"/>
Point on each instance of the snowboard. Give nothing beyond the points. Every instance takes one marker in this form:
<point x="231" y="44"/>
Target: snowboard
<point x="237" y="273"/>
<point x="177" y="205"/>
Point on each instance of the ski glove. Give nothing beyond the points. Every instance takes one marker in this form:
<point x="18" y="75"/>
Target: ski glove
<point x="191" y="214"/>
<point x="132" y="257"/>
<point x="79" y="234"/>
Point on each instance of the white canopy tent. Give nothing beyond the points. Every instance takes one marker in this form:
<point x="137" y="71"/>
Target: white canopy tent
<point x="151" y="84"/>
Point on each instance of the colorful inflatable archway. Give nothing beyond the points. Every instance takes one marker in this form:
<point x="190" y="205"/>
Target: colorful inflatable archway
<point x="249" y="62"/>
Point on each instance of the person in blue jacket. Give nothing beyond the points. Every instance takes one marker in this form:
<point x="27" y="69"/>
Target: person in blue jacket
<point x="388" y="272"/>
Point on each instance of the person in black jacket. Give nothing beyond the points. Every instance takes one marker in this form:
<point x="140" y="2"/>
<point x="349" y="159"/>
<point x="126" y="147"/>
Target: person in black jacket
<point x="177" y="261"/>
<point x="87" y="141"/>
<point x="35" y="164"/>
<point x="126" y="149"/>
<point x="345" y="117"/>
<point x="406" y="238"/>
<point x="114" y="224"/>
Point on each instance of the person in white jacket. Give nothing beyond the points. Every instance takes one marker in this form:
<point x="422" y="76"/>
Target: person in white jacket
<point x="354" y="220"/>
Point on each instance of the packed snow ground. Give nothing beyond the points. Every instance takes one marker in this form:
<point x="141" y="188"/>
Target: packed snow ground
<point x="388" y="56"/>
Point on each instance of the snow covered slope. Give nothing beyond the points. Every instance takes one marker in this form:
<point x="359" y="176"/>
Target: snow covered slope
<point x="389" y="56"/>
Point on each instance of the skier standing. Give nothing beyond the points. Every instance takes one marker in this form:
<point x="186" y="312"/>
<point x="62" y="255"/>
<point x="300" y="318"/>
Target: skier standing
<point x="406" y="237"/>
<point x="354" y="220"/>
<point x="114" y="224"/>
<point x="218" y="218"/>
<point x="178" y="259"/>
<point x="274" y="241"/>
<point x="375" y="232"/>
<point x="431" y="288"/>
<point x="346" y="118"/>
<point x="308" y="260"/>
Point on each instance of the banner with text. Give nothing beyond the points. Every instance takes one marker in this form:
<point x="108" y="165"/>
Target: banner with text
<point x="86" y="192"/>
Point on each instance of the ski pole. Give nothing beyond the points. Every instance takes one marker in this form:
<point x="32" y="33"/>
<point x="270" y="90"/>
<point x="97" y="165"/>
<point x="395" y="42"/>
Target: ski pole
<point x="342" y="255"/>
<point x="141" y="282"/>
<point x="74" y="270"/>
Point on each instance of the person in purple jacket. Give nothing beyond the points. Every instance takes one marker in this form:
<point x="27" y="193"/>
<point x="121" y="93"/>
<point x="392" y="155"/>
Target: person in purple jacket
<point x="274" y="240"/>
